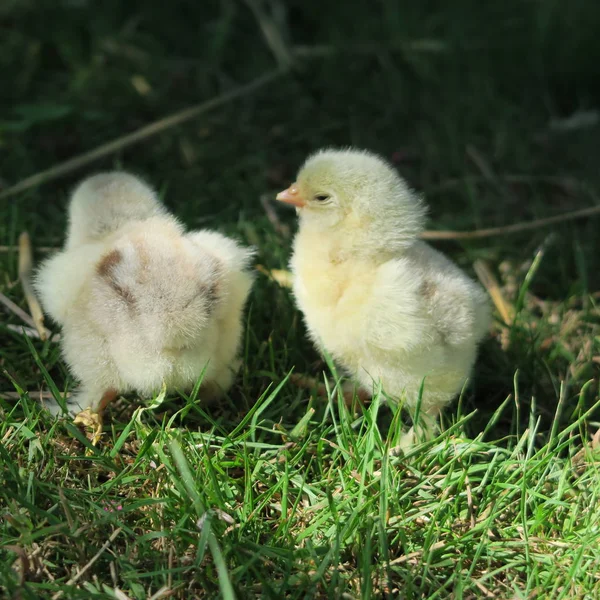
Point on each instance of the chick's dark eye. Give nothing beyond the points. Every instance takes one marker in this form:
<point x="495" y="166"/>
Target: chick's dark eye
<point x="321" y="197"/>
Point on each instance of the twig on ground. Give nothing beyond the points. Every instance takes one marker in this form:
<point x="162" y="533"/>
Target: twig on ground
<point x="284" y="57"/>
<point x="39" y="248"/>
<point x="567" y="183"/>
<point x="31" y="333"/>
<point x="96" y="556"/>
<point x="486" y="170"/>
<point x="504" y="229"/>
<point x="280" y="276"/>
<point x="272" y="33"/>
<point x="140" y="135"/>
<point x="162" y="593"/>
<point x="170" y="564"/>
<point x="300" y="52"/>
<point x="19" y="312"/>
<point x="41" y="395"/>
<point x="25" y="266"/>
<point x="417" y="554"/>
<point x="580" y="119"/>
<point x="490" y="283"/>
<point x="321" y="50"/>
<point x="482" y="588"/>
<point x="514" y="228"/>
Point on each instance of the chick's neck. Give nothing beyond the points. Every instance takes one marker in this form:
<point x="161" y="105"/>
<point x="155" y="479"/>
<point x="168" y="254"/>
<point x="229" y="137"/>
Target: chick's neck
<point x="340" y="245"/>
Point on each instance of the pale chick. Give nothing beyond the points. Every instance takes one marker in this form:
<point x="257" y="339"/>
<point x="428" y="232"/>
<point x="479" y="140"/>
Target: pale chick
<point x="140" y="301"/>
<point x="387" y="307"/>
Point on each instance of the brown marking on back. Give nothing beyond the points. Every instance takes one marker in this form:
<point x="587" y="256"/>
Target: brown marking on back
<point x="123" y="292"/>
<point x="213" y="292"/>
<point x="211" y="289"/>
<point x="428" y="289"/>
<point x="210" y="292"/>
<point x="108" y="263"/>
<point x="106" y="268"/>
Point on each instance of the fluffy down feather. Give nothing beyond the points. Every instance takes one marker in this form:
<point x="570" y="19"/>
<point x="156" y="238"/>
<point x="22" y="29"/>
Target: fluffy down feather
<point x="140" y="301"/>
<point x="385" y="305"/>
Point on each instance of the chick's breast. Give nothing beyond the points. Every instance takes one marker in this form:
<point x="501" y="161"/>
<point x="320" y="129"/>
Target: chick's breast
<point x="333" y="300"/>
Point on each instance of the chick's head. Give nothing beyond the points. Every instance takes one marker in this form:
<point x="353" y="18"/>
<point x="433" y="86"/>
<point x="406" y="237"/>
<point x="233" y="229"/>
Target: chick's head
<point x="103" y="203"/>
<point x="357" y="192"/>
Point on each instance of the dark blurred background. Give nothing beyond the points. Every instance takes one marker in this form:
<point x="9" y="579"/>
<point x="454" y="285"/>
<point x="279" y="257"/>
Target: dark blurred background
<point x="418" y="81"/>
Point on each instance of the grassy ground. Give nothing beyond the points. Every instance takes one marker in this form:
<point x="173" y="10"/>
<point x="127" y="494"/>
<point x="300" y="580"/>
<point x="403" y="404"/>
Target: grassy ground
<point x="276" y="493"/>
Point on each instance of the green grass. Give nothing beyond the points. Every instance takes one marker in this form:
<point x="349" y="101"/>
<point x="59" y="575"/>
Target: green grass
<point x="275" y="493"/>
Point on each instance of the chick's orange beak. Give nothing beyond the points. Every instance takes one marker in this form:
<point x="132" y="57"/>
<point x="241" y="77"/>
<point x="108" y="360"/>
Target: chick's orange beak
<point x="291" y="196"/>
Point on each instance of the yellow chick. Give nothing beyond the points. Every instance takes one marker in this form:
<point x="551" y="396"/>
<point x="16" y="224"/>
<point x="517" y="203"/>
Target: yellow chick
<point x="140" y="301"/>
<point x="386" y="306"/>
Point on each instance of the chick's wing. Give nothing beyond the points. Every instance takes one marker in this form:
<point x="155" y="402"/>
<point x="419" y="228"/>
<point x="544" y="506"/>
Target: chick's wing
<point x="61" y="279"/>
<point x="457" y="306"/>
<point x="396" y="318"/>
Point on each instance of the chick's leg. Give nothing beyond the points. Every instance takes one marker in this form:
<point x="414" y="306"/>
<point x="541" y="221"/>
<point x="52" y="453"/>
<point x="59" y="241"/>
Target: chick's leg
<point x="109" y="396"/>
<point x="423" y="430"/>
<point x="210" y="392"/>
<point x="213" y="389"/>
<point x="351" y="390"/>
<point x="92" y="397"/>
